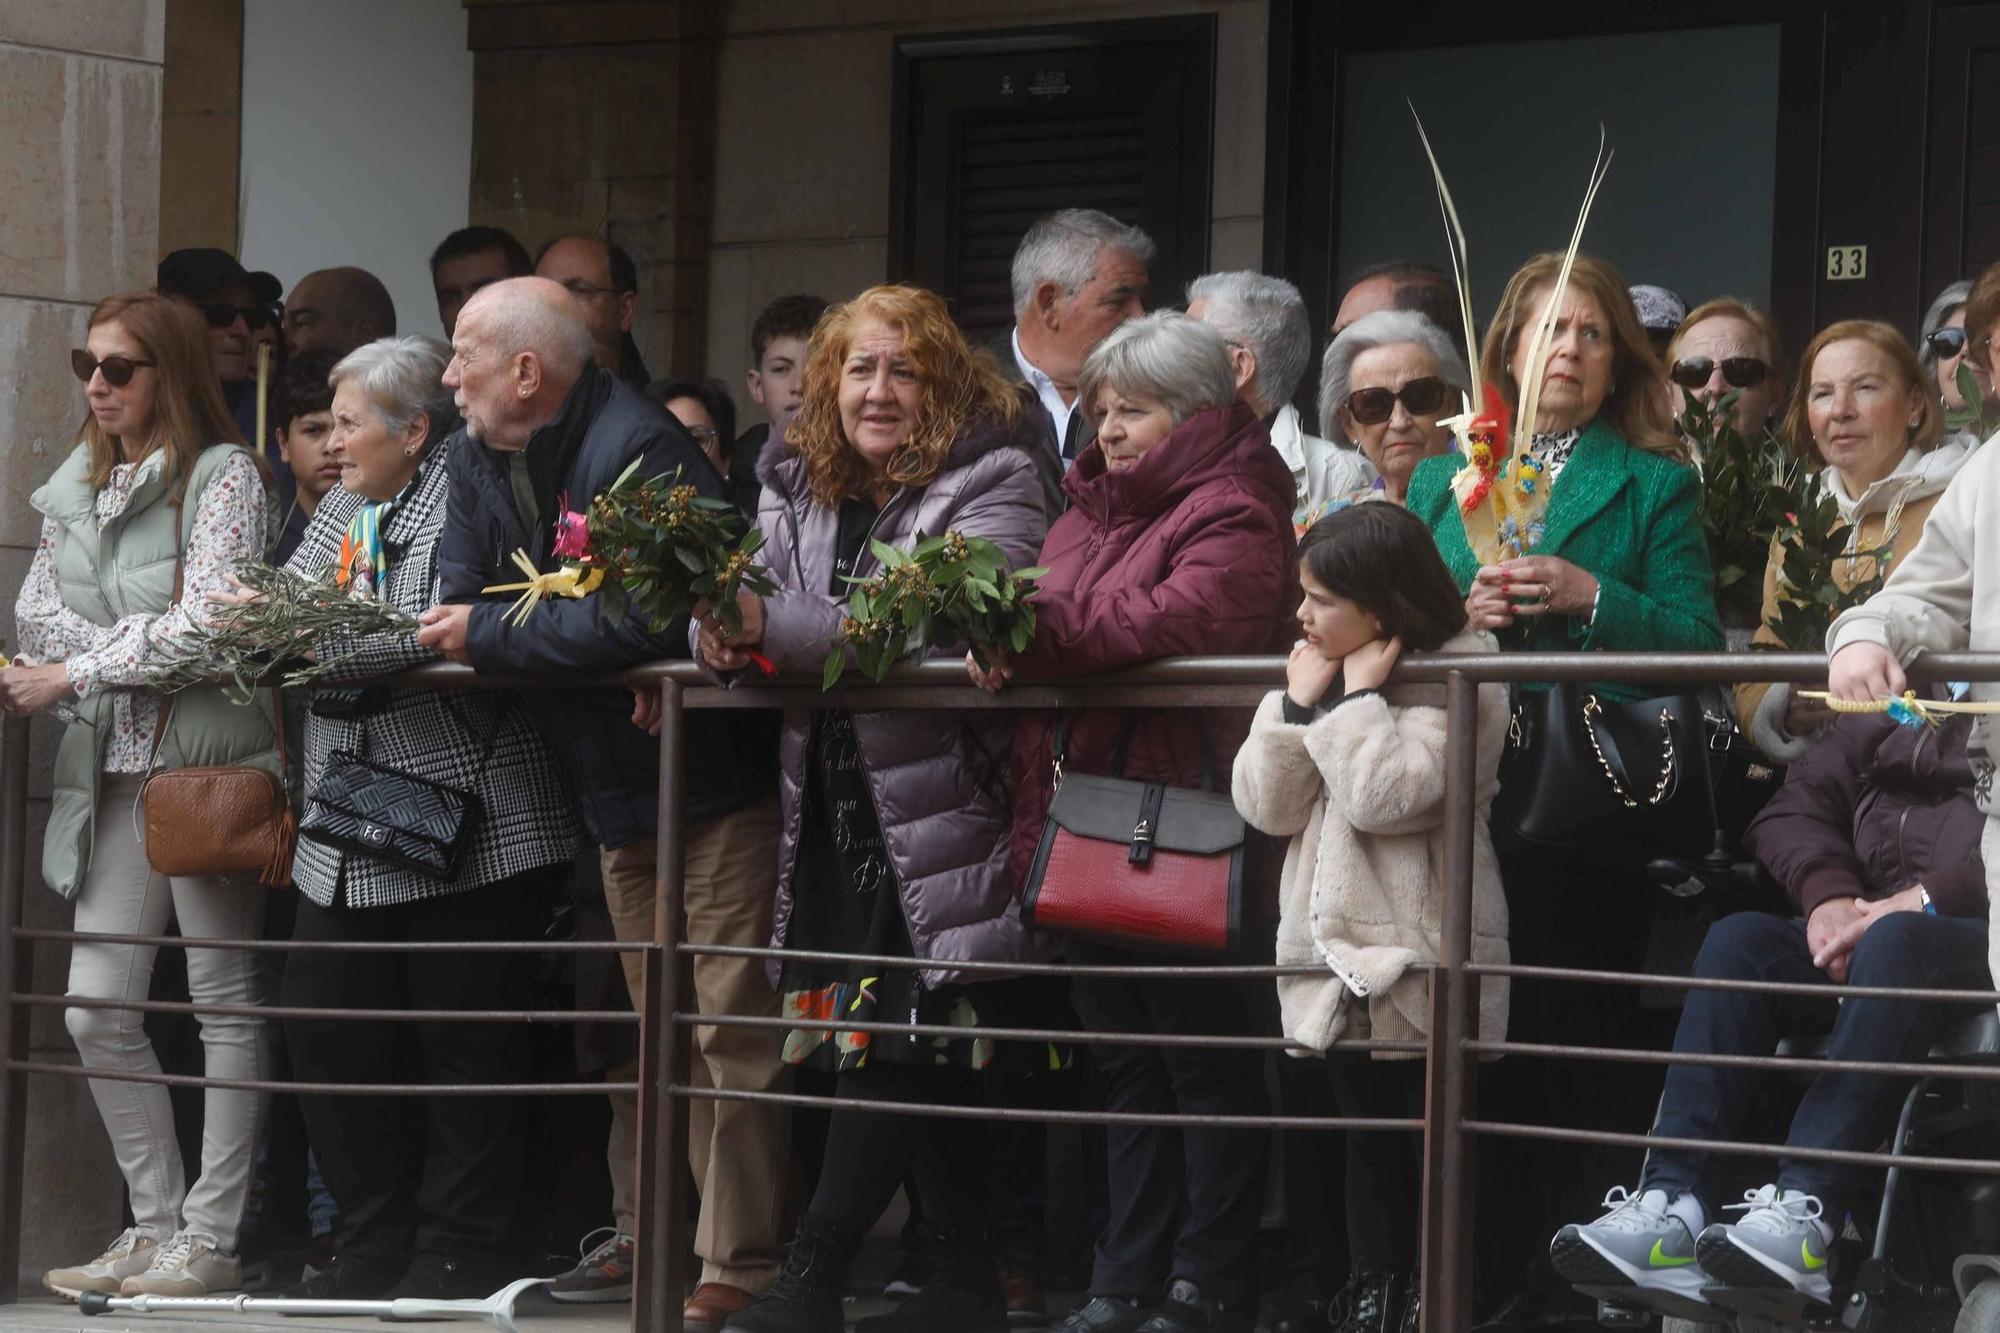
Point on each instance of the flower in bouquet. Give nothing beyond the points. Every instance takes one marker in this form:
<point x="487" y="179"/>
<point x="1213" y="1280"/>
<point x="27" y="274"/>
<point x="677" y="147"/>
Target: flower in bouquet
<point x="656" y="546"/>
<point x="944" y="591"/>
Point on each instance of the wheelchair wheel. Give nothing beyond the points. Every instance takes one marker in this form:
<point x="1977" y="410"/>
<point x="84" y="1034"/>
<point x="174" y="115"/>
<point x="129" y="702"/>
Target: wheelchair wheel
<point x="1981" y="1311"/>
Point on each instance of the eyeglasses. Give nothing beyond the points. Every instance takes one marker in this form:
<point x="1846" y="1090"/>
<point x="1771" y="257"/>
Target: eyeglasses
<point x="1739" y="372"/>
<point x="1946" y="343"/>
<point x="118" y="370"/>
<point x="221" y="315"/>
<point x="1372" y="407"/>
<point x="705" y="434"/>
<point x="583" y="291"/>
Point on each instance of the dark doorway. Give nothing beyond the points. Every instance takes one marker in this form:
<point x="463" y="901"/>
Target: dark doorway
<point x="1962" y="194"/>
<point x="993" y="130"/>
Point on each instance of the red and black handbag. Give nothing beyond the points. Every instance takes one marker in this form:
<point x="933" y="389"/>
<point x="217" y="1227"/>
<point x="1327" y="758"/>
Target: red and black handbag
<point x="1140" y="864"/>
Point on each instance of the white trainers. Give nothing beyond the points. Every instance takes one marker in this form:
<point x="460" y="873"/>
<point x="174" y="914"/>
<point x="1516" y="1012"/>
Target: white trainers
<point x="128" y="1256"/>
<point x="187" y="1265"/>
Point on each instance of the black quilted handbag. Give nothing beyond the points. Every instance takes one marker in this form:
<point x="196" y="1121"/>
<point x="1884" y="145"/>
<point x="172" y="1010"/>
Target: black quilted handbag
<point x="394" y="817"/>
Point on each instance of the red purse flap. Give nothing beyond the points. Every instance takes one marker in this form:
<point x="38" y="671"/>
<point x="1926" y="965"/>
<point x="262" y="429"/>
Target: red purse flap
<point x="1203" y="823"/>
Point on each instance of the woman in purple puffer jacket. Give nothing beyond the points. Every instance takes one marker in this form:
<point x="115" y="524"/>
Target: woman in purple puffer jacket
<point x="895" y="822"/>
<point x="1875" y="838"/>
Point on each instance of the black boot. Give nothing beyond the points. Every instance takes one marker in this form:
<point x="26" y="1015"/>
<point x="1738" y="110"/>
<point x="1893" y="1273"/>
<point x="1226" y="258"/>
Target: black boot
<point x="807" y="1295"/>
<point x="960" y="1292"/>
<point x="1375" y="1302"/>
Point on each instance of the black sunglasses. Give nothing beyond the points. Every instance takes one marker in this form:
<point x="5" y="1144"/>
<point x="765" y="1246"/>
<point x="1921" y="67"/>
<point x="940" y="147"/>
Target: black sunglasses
<point x="1946" y="343"/>
<point x="1372" y="407"/>
<point x="221" y="315"/>
<point x="1739" y="372"/>
<point x="118" y="370"/>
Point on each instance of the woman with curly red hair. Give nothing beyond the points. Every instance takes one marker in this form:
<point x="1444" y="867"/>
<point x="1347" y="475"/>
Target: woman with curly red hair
<point x="895" y="823"/>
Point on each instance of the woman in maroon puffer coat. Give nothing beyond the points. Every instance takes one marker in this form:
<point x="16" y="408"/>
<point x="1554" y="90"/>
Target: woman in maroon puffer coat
<point x="1178" y="540"/>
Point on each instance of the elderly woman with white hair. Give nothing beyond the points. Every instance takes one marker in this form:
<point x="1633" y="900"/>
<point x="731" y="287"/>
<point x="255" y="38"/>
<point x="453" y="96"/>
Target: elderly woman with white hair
<point x="1941" y="344"/>
<point x="1263" y="320"/>
<point x="1177" y="540"/>
<point x="1386" y="385"/>
<point x="382" y="857"/>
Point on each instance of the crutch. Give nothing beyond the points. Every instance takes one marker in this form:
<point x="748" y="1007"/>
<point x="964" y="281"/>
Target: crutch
<point x="497" y="1309"/>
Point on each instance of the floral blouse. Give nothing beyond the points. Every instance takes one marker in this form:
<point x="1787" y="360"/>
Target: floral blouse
<point x="230" y="523"/>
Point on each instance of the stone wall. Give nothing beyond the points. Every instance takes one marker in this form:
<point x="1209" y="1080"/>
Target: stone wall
<point x="80" y="89"/>
<point x="598" y="116"/>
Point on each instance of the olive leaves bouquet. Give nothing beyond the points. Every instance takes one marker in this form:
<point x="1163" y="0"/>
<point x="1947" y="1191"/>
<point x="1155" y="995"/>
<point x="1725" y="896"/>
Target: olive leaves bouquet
<point x="946" y="590"/>
<point x="1744" y="499"/>
<point x="285" y="627"/>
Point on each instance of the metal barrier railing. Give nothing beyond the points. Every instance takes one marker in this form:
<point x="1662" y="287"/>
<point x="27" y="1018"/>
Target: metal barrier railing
<point x="1452" y="1049"/>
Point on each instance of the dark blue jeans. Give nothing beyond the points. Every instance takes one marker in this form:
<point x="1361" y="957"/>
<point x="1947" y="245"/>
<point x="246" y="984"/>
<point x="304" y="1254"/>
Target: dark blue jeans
<point x="1842" y="1110"/>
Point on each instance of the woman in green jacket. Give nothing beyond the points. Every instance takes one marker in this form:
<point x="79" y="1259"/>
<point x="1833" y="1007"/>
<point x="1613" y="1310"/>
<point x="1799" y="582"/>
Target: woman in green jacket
<point x="152" y="509"/>
<point x="1621" y="566"/>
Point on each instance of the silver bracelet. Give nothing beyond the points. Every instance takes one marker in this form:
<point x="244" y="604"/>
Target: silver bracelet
<point x="1595" y="597"/>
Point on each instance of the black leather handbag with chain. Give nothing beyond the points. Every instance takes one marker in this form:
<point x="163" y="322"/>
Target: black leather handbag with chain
<point x="397" y="818"/>
<point x="1611" y="784"/>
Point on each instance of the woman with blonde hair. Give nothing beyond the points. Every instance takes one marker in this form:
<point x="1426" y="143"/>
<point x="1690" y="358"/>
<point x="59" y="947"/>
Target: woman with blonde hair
<point x="895" y="823"/>
<point x="1621" y="564"/>
<point x="1865" y="409"/>
<point x="151" y="510"/>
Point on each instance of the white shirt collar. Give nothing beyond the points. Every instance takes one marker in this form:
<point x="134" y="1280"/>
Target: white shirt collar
<point x="1045" y="389"/>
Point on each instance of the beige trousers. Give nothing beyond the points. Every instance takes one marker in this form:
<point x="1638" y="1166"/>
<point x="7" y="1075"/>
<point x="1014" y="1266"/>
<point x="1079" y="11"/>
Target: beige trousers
<point x="740" y="1152"/>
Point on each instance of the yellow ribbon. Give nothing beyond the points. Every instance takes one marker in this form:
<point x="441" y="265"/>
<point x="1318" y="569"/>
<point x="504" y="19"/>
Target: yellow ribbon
<point x="1905" y="708"/>
<point x="569" y="581"/>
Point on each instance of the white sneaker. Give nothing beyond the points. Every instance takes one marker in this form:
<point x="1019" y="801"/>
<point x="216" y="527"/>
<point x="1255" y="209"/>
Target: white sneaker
<point x="129" y="1255"/>
<point x="187" y="1265"/>
<point x="1779" y="1250"/>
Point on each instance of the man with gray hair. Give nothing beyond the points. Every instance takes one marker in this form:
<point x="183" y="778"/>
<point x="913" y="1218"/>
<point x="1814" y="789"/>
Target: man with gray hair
<point x="1270" y="345"/>
<point x="547" y="429"/>
<point x="1078" y="274"/>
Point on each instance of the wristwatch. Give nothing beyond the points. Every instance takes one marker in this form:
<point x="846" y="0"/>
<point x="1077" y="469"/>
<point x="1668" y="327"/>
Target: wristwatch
<point x="1924" y="897"/>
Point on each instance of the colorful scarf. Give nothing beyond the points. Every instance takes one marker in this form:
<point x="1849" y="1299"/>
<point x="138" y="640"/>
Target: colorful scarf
<point x="364" y="560"/>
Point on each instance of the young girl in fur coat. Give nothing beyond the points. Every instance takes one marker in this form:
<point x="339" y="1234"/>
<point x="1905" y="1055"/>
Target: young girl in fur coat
<point x="1352" y="770"/>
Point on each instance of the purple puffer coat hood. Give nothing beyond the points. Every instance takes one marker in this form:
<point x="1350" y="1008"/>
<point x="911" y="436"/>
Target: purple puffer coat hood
<point x="939" y="778"/>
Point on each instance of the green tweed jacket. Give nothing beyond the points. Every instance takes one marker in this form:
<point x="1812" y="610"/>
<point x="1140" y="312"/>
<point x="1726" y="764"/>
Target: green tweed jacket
<point x="1626" y="515"/>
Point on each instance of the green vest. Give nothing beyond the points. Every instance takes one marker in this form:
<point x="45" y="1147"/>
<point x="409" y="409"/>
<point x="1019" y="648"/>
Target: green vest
<point x="127" y="568"/>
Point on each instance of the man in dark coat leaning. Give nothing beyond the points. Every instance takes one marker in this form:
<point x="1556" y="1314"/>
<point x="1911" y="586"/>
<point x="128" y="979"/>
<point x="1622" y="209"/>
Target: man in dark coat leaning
<point x="545" y="428"/>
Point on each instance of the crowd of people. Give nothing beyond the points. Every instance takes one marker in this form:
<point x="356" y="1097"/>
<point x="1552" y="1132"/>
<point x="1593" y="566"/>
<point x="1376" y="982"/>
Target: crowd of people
<point x="1158" y="467"/>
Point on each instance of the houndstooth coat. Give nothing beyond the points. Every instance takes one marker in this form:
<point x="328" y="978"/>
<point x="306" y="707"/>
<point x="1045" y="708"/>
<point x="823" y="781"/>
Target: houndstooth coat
<point x="527" y="821"/>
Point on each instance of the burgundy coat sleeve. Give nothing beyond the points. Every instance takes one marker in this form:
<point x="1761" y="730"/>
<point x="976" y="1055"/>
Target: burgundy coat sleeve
<point x="1805" y="835"/>
<point x="1230" y="555"/>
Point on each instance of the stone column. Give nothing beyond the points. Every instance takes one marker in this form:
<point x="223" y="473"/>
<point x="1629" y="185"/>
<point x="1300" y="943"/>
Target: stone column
<point x="80" y="93"/>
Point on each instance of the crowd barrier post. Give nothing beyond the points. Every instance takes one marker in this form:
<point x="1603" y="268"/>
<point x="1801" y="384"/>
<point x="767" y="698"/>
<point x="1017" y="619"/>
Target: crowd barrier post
<point x="660" y="1255"/>
<point x="1451" y="1071"/>
<point x="16" y="973"/>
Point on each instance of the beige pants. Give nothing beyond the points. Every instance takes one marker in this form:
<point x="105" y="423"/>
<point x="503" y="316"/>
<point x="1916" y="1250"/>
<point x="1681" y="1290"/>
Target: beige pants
<point x="740" y="1151"/>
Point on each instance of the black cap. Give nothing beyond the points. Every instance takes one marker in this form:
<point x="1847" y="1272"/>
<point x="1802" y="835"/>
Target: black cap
<point x="203" y="269"/>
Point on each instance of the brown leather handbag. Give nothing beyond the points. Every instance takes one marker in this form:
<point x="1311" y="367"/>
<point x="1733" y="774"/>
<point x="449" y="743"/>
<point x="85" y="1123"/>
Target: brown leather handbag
<point x="220" y="819"/>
